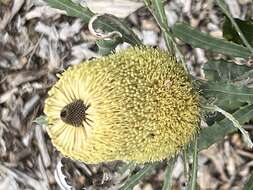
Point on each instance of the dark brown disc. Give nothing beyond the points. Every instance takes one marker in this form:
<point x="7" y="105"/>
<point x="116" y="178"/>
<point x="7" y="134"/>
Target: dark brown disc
<point x="74" y="113"/>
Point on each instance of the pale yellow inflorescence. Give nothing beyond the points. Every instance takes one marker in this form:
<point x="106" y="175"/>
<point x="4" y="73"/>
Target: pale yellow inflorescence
<point x="141" y="106"/>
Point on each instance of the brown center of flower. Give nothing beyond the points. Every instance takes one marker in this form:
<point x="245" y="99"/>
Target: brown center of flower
<point x="74" y="113"/>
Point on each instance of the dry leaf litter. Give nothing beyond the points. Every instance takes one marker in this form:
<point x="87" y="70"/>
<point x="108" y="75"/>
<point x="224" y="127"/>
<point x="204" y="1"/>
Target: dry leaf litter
<point x="37" y="41"/>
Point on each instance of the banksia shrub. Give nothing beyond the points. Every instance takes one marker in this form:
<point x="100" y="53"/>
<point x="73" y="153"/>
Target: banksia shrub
<point x="138" y="104"/>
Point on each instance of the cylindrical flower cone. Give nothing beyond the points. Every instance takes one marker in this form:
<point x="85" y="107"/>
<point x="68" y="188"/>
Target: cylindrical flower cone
<point x="138" y="104"/>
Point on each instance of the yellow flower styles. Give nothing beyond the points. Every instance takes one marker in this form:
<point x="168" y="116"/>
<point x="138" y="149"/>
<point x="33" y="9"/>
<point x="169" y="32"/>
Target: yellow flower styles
<point x="138" y="104"/>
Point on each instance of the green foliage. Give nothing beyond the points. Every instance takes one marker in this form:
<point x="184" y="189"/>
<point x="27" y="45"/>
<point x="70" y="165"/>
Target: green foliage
<point x="110" y="23"/>
<point x="199" y="39"/>
<point x="41" y="120"/>
<point x="168" y="172"/>
<point x="249" y="184"/>
<point x="105" y="47"/>
<point x="157" y="8"/>
<point x="136" y="178"/>
<point x="72" y="9"/>
<point x="226" y="87"/>
<point x="225" y="10"/>
<point x="227" y="91"/>
<point x="193" y="180"/>
<point x="222" y="70"/>
<point x="220" y="129"/>
<point x="230" y="33"/>
<point x="127" y="167"/>
<point x="226" y="84"/>
<point x="107" y="23"/>
<point x="223" y="85"/>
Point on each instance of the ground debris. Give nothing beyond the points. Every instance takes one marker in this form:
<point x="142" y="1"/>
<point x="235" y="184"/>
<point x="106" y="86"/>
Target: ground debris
<point x="37" y="41"/>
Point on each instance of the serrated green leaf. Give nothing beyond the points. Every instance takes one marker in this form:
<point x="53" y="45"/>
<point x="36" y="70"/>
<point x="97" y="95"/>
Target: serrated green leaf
<point x="199" y="39"/>
<point x="136" y="178"/>
<point x="219" y="130"/>
<point x="222" y="70"/>
<point x="226" y="95"/>
<point x="221" y="76"/>
<point x="249" y="184"/>
<point x="41" y="120"/>
<point x="108" y="23"/>
<point x="230" y="33"/>
<point x="227" y="91"/>
<point x="72" y="9"/>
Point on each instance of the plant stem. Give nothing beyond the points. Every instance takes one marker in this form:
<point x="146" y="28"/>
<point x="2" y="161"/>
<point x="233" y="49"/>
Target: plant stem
<point x="186" y="163"/>
<point x="167" y="178"/>
<point x="193" y="181"/>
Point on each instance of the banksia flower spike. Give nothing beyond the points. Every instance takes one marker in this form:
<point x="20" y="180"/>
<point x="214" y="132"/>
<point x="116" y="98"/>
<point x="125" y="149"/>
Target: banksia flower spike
<point x="138" y="104"/>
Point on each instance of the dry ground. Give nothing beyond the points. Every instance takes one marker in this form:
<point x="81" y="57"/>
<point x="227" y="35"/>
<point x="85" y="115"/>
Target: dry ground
<point x="36" y="42"/>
